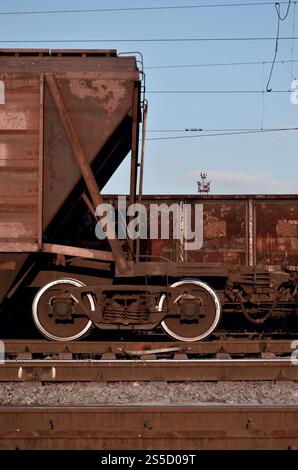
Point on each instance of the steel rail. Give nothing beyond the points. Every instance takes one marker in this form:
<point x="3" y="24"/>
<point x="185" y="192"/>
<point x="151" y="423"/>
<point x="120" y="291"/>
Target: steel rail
<point x="228" y="360"/>
<point x="148" y="370"/>
<point x="228" y="345"/>
<point x="149" y="427"/>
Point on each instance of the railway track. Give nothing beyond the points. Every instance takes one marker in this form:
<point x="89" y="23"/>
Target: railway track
<point x="230" y="359"/>
<point x="149" y="427"/>
<point x="142" y="427"/>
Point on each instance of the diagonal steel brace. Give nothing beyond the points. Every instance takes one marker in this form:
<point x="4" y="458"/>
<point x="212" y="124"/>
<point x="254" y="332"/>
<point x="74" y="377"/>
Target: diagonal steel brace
<point x="83" y="163"/>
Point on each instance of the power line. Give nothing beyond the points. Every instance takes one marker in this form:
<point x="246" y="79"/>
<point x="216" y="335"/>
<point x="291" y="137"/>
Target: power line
<point x="259" y="131"/>
<point x="263" y="98"/>
<point x="154" y="40"/>
<point x="293" y="34"/>
<point x="162" y="7"/>
<point x="220" y="92"/>
<point x="277" y="9"/>
<point x="196" y="129"/>
<point x="279" y="19"/>
<point x="218" y="64"/>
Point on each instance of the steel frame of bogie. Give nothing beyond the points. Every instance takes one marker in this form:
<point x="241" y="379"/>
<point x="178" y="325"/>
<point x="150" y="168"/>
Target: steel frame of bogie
<point x="99" y="292"/>
<point x="153" y="292"/>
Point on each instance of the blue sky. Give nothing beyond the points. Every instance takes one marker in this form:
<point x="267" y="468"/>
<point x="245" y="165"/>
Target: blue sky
<point x="257" y="163"/>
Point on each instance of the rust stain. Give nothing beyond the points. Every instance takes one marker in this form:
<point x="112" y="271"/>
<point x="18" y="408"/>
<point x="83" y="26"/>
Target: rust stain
<point x="214" y="228"/>
<point x="287" y="228"/>
<point x="13" y="119"/>
<point x="15" y="230"/>
<point x="109" y="92"/>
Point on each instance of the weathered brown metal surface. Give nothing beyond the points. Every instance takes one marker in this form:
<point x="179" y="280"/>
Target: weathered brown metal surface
<point x="56" y="53"/>
<point x="150" y="427"/>
<point x="79" y="252"/>
<point x="19" y="164"/>
<point x="19" y="171"/>
<point x="165" y="248"/>
<point x="276" y="232"/>
<point x="237" y="230"/>
<point x="80" y="156"/>
<point x="97" y="106"/>
<point x="224" y="228"/>
<point x="38" y="171"/>
<point x="98" y="90"/>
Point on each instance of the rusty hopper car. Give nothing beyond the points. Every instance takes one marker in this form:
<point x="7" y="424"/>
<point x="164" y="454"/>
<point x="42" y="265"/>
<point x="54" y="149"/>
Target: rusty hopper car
<point x="67" y="121"/>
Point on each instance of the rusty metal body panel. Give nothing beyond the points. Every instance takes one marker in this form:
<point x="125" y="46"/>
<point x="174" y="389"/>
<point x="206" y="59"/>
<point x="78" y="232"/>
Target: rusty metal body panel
<point x="97" y="106"/>
<point x="19" y="164"/>
<point x="38" y="168"/>
<point x="259" y="230"/>
<point x="277" y="232"/>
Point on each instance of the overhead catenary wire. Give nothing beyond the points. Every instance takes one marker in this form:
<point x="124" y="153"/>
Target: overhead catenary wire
<point x="263" y="98"/>
<point x="293" y="35"/>
<point x="279" y="19"/>
<point x="127" y="9"/>
<point x="218" y="64"/>
<point x="177" y="92"/>
<point x="149" y="40"/>
<point x="221" y="134"/>
<point x="277" y="8"/>
<point x="225" y="129"/>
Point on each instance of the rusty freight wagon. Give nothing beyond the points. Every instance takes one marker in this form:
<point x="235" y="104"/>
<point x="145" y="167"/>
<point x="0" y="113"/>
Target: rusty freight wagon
<point x="67" y="121"/>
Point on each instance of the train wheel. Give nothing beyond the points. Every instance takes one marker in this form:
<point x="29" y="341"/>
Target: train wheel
<point x="199" y="311"/>
<point x="54" y="318"/>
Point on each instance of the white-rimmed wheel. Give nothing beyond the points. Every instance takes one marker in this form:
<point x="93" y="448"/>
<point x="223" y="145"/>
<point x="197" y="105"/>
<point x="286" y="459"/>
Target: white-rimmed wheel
<point x="56" y="311"/>
<point x="194" y="310"/>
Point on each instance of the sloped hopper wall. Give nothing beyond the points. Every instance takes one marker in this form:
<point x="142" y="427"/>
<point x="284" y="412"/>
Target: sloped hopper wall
<point x="97" y="107"/>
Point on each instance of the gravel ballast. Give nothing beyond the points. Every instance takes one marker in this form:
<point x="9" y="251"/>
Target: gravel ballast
<point x="193" y="393"/>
